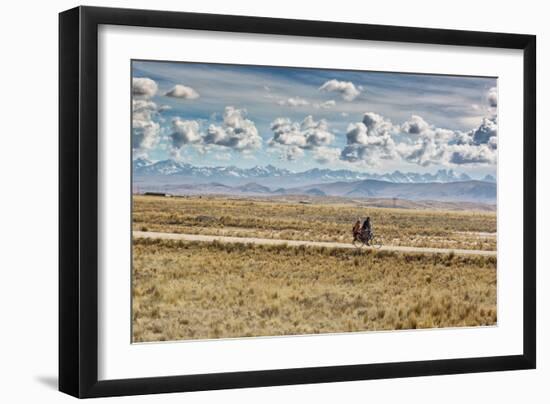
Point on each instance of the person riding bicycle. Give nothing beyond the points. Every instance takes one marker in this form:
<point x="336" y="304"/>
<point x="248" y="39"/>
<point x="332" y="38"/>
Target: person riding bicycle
<point x="366" y="231"/>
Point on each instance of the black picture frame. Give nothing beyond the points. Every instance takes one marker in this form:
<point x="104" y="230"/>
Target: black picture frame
<point x="78" y="201"/>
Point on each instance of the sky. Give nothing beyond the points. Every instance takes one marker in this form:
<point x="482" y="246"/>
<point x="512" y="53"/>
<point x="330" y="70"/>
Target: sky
<point x="300" y="118"/>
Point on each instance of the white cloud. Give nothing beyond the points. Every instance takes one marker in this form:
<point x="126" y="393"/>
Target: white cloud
<point x="478" y="146"/>
<point x="470" y="154"/>
<point x="432" y="145"/>
<point x="416" y="125"/>
<point x="222" y="156"/>
<point x="378" y="125"/>
<point x="370" y="141"/>
<point x="424" y="151"/>
<point x="325" y="155"/>
<point x="307" y="134"/>
<point x="181" y="91"/>
<point x="428" y="144"/>
<point x="287" y="133"/>
<point x="300" y="102"/>
<point x="185" y="132"/>
<point x="145" y="131"/>
<point x="293" y="102"/>
<point x="144" y="87"/>
<point x="325" y="105"/>
<point x="487" y="130"/>
<point x="419" y="128"/>
<point x="492" y="97"/>
<point x="292" y="153"/>
<point x="143" y="109"/>
<point x="236" y="132"/>
<point x="292" y="138"/>
<point x="316" y="133"/>
<point x="145" y="135"/>
<point x="347" y="89"/>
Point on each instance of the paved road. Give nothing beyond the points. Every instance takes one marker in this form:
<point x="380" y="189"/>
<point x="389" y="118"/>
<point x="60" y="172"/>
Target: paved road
<point x="254" y="240"/>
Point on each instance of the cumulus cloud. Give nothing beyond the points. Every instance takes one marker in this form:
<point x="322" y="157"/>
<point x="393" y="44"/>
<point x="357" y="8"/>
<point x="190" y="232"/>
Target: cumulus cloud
<point x="143" y="109"/>
<point x="181" y="91"/>
<point x="427" y="144"/>
<point x="292" y="138"/>
<point x="485" y="132"/>
<point x="432" y="145"/>
<point x="185" y="132"/>
<point x="416" y="125"/>
<point x="378" y="125"/>
<point x="236" y="132"/>
<point x="292" y="153"/>
<point x="145" y="130"/>
<point x="370" y="140"/>
<point x="478" y="146"/>
<point x="325" y="155"/>
<point x="144" y="87"/>
<point x="293" y="102"/>
<point x="286" y="133"/>
<point x="347" y="89"/>
<point x="373" y="139"/>
<point x="424" y="151"/>
<point x="316" y="133"/>
<point x="307" y="134"/>
<point x="470" y="154"/>
<point x="492" y="97"/>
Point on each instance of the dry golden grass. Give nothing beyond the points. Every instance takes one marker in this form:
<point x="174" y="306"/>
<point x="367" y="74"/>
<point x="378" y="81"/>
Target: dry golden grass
<point x="191" y="290"/>
<point x="315" y="222"/>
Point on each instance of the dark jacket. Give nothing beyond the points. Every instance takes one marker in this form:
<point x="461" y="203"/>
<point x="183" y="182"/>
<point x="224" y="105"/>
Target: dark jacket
<point x="366" y="226"/>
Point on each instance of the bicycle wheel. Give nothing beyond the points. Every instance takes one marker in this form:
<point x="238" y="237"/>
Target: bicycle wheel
<point x="358" y="244"/>
<point x="375" y="242"/>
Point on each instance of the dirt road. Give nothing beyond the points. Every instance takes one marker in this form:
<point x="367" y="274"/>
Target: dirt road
<point x="296" y="243"/>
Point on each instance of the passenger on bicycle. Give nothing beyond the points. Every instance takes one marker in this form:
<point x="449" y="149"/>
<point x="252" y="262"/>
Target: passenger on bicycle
<point x="356" y="230"/>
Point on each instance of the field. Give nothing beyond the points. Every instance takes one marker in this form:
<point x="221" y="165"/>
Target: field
<point x="317" y="221"/>
<point x="204" y="289"/>
<point x="191" y="290"/>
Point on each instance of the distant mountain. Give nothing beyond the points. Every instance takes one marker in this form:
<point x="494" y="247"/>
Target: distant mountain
<point x="254" y="188"/>
<point x="173" y="171"/>
<point x="489" y="178"/>
<point x="463" y="191"/>
<point x="473" y="191"/>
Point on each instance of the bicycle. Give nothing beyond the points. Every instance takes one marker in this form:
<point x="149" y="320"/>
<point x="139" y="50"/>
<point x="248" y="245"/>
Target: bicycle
<point x="373" y="242"/>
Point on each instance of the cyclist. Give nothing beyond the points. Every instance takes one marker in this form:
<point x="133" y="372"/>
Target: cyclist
<point x="366" y="231"/>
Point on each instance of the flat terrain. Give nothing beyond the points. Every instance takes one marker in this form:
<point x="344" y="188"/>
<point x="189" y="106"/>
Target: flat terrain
<point x="191" y="290"/>
<point x="317" y="220"/>
<point x="298" y="243"/>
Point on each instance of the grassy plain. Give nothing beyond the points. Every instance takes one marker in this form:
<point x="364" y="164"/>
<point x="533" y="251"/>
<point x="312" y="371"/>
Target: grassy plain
<point x="192" y="290"/>
<point x="318" y="221"/>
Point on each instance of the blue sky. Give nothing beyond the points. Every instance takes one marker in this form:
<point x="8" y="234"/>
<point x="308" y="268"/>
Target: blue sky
<point x="215" y="115"/>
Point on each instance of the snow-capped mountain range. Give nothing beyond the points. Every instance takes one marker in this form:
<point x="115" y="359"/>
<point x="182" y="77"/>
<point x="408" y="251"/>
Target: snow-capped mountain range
<point x="172" y="170"/>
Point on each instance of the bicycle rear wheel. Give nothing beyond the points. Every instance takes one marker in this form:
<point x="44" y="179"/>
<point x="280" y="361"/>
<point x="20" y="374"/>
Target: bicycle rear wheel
<point x="358" y="244"/>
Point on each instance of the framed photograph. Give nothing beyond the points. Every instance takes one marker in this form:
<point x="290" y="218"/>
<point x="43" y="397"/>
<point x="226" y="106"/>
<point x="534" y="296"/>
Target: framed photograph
<point x="252" y="202"/>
